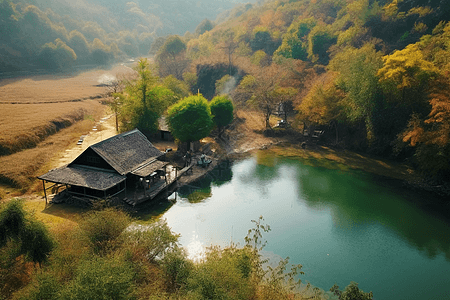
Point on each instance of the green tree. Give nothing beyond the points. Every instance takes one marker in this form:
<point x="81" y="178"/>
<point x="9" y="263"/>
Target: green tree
<point x="190" y="119"/>
<point x="294" y="42"/>
<point x="222" y="112"/>
<point x="143" y="100"/>
<point x="320" y="39"/>
<point x="178" y="87"/>
<point x="191" y="80"/>
<point x="357" y="78"/>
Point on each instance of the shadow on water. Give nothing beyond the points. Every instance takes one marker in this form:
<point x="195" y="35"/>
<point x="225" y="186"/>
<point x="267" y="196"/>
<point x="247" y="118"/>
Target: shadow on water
<point x="195" y="192"/>
<point x="200" y="190"/>
<point x="357" y="198"/>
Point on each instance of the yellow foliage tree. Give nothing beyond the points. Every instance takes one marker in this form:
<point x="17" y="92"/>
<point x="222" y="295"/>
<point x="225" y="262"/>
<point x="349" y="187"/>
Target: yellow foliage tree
<point x="407" y="67"/>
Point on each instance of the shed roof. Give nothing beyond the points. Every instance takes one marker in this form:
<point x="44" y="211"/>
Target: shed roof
<point x="89" y="177"/>
<point x="150" y="167"/>
<point x="127" y="151"/>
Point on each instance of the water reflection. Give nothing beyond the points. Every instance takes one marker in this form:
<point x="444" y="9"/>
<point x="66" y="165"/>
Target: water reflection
<point x="341" y="226"/>
<point x="357" y="198"/>
<point x="201" y="189"/>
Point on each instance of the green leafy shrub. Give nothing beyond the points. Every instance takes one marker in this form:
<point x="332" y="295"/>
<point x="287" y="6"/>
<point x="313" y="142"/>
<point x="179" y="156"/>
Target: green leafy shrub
<point x="101" y="278"/>
<point x="177" y="269"/>
<point x="102" y="228"/>
<point x="150" y="243"/>
<point x="224" y="274"/>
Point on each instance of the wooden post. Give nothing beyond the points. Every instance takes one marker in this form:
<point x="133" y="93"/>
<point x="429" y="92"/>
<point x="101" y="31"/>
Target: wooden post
<point x="45" y="193"/>
<point x="165" y="173"/>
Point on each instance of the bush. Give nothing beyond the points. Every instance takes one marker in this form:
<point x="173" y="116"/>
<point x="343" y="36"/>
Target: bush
<point x="101" y="278"/>
<point x="12" y="220"/>
<point x="223" y="275"/>
<point x="177" y="269"/>
<point x="36" y="242"/>
<point x="102" y="228"/>
<point x="151" y="243"/>
<point x="45" y="286"/>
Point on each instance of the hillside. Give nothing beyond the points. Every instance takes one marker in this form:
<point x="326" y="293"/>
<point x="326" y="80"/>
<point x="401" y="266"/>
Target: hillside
<point x="373" y="75"/>
<point x="55" y="35"/>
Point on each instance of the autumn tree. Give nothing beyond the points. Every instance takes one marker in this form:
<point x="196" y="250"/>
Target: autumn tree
<point x="171" y="57"/>
<point x="205" y="25"/>
<point x="286" y="96"/>
<point x="406" y="76"/>
<point x="57" y="55"/>
<point x="430" y="136"/>
<point x="263" y="90"/>
<point x="322" y="106"/>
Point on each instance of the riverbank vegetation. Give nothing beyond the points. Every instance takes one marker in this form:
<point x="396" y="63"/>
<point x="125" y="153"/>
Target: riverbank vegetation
<point x="106" y="255"/>
<point x="368" y="76"/>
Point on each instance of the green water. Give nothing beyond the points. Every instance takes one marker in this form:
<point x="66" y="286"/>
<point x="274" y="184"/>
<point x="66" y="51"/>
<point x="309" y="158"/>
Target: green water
<point x="341" y="226"/>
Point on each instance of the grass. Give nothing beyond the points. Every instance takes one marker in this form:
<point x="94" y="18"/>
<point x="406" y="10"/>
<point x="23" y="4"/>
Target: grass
<point x="41" y="116"/>
<point x="36" y="107"/>
<point x="53" y="216"/>
<point x="23" y="126"/>
<point x="19" y="170"/>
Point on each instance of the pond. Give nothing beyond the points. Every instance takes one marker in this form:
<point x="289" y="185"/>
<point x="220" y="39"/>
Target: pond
<point x="342" y="226"/>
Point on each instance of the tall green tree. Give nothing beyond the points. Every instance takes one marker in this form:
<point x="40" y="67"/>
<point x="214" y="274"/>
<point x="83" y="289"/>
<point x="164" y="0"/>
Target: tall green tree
<point x="357" y="77"/>
<point x="190" y="119"/>
<point x="144" y="100"/>
<point x="222" y="112"/>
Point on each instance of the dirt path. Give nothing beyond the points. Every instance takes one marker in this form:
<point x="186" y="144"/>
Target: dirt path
<point x="103" y="130"/>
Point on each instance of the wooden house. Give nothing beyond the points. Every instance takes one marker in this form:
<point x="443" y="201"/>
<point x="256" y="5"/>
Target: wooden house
<point x="111" y="168"/>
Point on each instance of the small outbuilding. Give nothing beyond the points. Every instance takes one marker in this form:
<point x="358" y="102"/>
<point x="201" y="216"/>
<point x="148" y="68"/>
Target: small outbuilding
<point x="107" y="168"/>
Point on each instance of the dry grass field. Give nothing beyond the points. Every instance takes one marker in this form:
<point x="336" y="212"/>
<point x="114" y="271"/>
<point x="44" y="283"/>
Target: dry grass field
<point x="43" y="115"/>
<point x="36" y="107"/>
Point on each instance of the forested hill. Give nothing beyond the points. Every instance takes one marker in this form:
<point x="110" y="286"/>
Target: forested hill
<point x="55" y="34"/>
<point x="373" y="74"/>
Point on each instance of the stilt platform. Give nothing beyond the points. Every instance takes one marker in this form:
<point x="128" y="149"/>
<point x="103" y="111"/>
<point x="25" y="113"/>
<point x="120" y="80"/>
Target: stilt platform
<point x="157" y="188"/>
